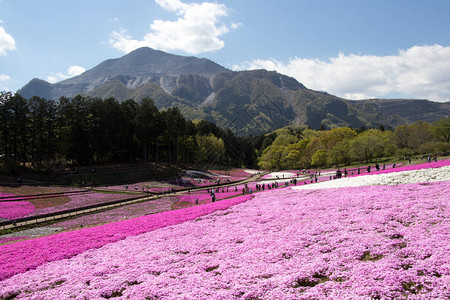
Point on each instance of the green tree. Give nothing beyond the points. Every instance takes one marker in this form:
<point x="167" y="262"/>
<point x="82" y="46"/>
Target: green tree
<point x="74" y="124"/>
<point x="334" y="136"/>
<point x="5" y="125"/>
<point x="293" y="155"/>
<point x="278" y="155"/>
<point x="127" y="141"/>
<point x="17" y="110"/>
<point x="340" y="153"/>
<point x="420" y="134"/>
<point x="319" y="158"/>
<point x="441" y="130"/>
<point x="175" y="127"/>
<point x="105" y="134"/>
<point x="367" y="145"/>
<point x="271" y="158"/>
<point x="149" y="124"/>
<point x="402" y="136"/>
<point x="42" y="121"/>
<point x="211" y="149"/>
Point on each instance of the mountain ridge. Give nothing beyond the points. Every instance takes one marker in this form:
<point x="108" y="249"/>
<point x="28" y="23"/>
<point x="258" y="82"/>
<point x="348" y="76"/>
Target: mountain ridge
<point x="248" y="102"/>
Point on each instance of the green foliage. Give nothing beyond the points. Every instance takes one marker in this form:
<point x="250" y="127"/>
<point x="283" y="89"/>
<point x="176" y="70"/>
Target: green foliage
<point x="340" y="153"/>
<point x="342" y="146"/>
<point x="211" y="148"/>
<point x="84" y="130"/>
<point x="41" y="133"/>
<point x="441" y="130"/>
<point x="319" y="158"/>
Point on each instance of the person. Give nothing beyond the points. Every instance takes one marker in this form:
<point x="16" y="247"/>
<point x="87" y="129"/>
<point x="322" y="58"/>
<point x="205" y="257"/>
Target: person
<point x="368" y="169"/>
<point x="377" y="166"/>
<point x="196" y="201"/>
<point x="338" y="173"/>
<point x="345" y="172"/>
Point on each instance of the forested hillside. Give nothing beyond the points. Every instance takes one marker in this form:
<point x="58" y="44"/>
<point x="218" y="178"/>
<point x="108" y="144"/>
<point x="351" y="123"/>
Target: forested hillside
<point x="43" y="133"/>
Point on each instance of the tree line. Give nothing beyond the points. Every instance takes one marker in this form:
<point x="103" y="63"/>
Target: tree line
<point x="302" y="148"/>
<point x="42" y="133"/>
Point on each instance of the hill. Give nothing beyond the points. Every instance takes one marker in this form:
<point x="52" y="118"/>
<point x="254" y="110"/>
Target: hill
<point x="248" y="102"/>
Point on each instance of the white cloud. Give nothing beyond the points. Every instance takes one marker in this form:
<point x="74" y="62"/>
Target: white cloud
<point x="418" y="72"/>
<point x="7" y="42"/>
<point x="196" y="30"/>
<point x="3" y="82"/>
<point x="71" y="72"/>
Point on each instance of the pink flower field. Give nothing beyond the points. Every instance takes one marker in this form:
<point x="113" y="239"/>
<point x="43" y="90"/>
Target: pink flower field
<point x="22" y="256"/>
<point x="83" y="199"/>
<point x="121" y="213"/>
<point x="365" y="242"/>
<point x="15" y="209"/>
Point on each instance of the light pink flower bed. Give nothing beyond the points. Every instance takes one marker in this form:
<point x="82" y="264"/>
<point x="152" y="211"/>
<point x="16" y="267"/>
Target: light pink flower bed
<point x="347" y="243"/>
<point x="368" y="242"/>
<point x="438" y="164"/>
<point x="83" y="199"/>
<point x="27" y="255"/>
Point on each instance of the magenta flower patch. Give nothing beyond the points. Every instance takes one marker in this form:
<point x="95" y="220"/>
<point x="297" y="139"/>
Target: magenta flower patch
<point x="348" y="243"/>
<point x="365" y="242"/>
<point x="26" y="255"/>
<point x="15" y="209"/>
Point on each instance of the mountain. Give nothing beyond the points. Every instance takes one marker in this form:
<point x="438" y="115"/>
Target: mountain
<point x="253" y="102"/>
<point x="135" y="69"/>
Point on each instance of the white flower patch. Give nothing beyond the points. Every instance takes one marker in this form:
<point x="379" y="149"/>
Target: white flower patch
<point x="405" y="177"/>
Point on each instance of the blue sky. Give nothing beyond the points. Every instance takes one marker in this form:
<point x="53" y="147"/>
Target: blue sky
<point x="355" y="49"/>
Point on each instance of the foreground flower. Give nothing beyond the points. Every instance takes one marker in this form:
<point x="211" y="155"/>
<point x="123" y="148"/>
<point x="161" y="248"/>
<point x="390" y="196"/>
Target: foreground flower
<point x="357" y="242"/>
<point x="29" y="254"/>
